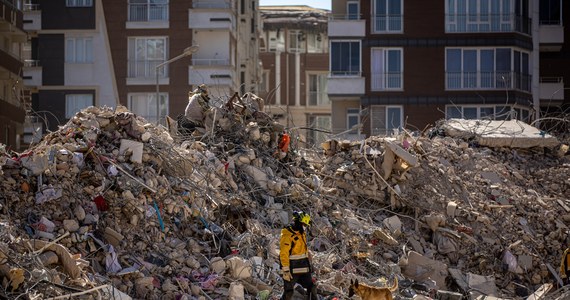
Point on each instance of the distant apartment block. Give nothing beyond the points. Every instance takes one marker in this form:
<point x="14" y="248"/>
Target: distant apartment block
<point x="109" y="53"/>
<point x="402" y="63"/>
<point x="13" y="107"/>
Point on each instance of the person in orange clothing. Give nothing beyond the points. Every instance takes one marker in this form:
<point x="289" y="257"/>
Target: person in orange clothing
<point x="294" y="257"/>
<point x="283" y="146"/>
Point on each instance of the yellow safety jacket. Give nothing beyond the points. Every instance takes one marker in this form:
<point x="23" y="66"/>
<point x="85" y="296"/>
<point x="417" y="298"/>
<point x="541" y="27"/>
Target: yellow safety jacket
<point x="293" y="251"/>
<point x="565" y="263"/>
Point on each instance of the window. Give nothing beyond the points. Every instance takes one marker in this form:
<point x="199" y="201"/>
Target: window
<point x="315" y="43"/>
<point x="79" y="3"/>
<point x="144" y="105"/>
<point x="74" y="103"/>
<point x="345" y="58"/>
<point x="387" y="67"/>
<point x="276" y="41"/>
<point x="296" y="41"/>
<point x="145" y="54"/>
<point x="322" y="123"/>
<point x="550" y="12"/>
<point x="522" y="114"/>
<point x="488" y="112"/>
<point x="352" y="119"/>
<point x="352" y="10"/>
<point x="487" y="68"/>
<point x="487" y="16"/>
<point x="148" y="10"/>
<point x="79" y="50"/>
<point x="318" y="90"/>
<point x="387" y="16"/>
<point x="386" y="120"/>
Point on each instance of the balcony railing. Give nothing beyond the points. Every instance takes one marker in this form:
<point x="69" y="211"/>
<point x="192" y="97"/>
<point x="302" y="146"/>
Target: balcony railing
<point x="338" y="17"/>
<point x="386" y="81"/>
<point x="551" y="22"/>
<point x="210" y="62"/>
<point x="212" y="4"/>
<point x="148" y="12"/>
<point x="146" y="69"/>
<point x="29" y="6"/>
<point x="387" y="23"/>
<point x="465" y="23"/>
<point x="345" y="73"/>
<point x="31" y="63"/>
<point x="488" y="80"/>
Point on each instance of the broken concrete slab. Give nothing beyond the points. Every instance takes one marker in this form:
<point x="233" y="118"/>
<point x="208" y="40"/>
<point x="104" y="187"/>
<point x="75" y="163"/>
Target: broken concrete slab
<point x="409" y="158"/>
<point x="490" y="133"/>
<point x="420" y="268"/>
<point x="481" y="285"/>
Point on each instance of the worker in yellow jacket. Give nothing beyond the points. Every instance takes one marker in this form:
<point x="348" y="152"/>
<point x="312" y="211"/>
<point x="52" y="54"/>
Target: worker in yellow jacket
<point x="565" y="265"/>
<point x="294" y="257"/>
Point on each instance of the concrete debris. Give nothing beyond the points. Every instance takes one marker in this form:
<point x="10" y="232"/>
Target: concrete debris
<point x="111" y="206"/>
<point x="490" y="133"/>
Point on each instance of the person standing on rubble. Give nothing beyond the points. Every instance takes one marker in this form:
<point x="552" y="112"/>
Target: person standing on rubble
<point x="294" y="257"/>
<point x="198" y="105"/>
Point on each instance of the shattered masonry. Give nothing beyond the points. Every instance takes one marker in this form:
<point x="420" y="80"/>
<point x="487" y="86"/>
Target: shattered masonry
<point x="112" y="206"/>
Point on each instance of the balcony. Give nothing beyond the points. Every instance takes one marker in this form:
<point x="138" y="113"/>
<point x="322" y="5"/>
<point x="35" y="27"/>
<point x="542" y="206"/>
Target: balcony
<point x="552" y="88"/>
<point x="32" y="73"/>
<point x="11" y="14"/>
<point x="345" y="84"/>
<point x="211" y="75"/>
<point x="207" y="19"/>
<point x="498" y="80"/>
<point x="29" y="6"/>
<point x="551" y="35"/>
<point x="346" y="26"/>
<point x="478" y="23"/>
<point x="32" y="16"/>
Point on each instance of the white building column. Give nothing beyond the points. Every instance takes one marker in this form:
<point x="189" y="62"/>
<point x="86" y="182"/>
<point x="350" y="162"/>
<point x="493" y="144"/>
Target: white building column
<point x="536" y="59"/>
<point x="297" y="79"/>
<point x="278" y="78"/>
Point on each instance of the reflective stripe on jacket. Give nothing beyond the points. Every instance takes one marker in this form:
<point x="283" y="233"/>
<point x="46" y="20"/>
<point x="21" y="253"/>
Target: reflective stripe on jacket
<point x="565" y="263"/>
<point x="293" y="251"/>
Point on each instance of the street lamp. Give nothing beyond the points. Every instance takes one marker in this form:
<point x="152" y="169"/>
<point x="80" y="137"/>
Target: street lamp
<point x="187" y="52"/>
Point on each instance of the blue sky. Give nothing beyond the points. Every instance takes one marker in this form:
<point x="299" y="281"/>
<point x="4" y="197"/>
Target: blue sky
<point x="326" y="4"/>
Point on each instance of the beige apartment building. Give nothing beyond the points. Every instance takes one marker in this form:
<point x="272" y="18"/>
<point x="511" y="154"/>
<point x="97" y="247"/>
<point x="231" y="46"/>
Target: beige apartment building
<point x="108" y="52"/>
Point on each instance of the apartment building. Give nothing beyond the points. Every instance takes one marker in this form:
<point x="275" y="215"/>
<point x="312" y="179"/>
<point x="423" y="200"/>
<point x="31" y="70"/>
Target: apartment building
<point x="12" y="40"/>
<point x="135" y="52"/>
<point x="294" y="53"/>
<point x="405" y="63"/>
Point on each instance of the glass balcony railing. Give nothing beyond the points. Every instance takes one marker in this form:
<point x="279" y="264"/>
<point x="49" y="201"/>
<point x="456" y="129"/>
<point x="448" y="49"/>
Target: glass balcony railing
<point x="466" y="23"/>
<point x="386" y="81"/>
<point x="488" y="80"/>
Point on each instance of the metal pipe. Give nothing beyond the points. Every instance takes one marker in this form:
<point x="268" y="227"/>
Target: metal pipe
<point x="187" y="52"/>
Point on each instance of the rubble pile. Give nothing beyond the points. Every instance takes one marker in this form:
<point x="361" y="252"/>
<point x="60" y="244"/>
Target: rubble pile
<point x="111" y="206"/>
<point x="499" y="215"/>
